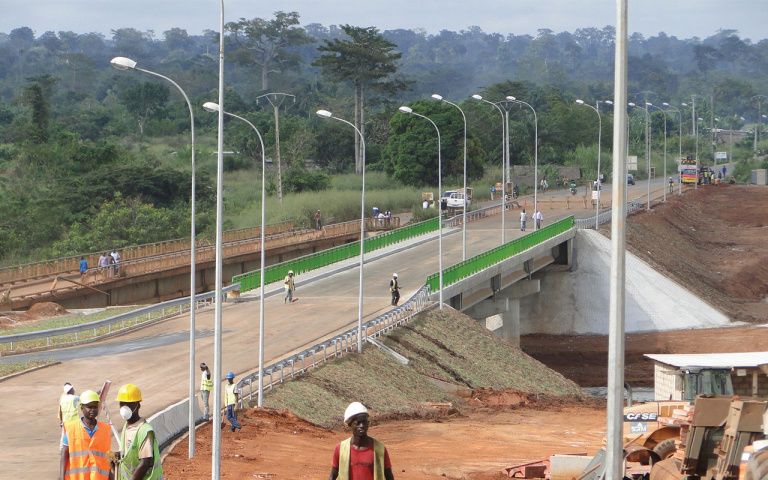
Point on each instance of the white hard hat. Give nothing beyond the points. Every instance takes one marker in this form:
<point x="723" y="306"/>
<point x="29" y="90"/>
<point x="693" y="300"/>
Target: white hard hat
<point x="67" y="387"/>
<point x="394" y="275"/>
<point x="290" y="272"/>
<point x="354" y="408"/>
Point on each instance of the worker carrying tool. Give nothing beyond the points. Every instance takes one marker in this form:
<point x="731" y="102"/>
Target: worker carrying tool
<point x="86" y="444"/>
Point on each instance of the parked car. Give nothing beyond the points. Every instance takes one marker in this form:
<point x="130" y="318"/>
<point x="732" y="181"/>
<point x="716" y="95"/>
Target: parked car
<point x="630" y="179"/>
<point x="456" y="200"/>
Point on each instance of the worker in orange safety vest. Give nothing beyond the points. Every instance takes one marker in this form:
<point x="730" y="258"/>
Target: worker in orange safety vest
<point x="86" y="444"/>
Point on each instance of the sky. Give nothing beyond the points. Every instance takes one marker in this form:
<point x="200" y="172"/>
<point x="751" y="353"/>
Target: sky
<point x="680" y="18"/>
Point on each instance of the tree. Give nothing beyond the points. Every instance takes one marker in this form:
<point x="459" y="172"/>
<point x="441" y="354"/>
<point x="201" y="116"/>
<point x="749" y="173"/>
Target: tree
<point x="266" y="43"/>
<point x="37" y="96"/>
<point x="144" y="100"/>
<point x="366" y="60"/>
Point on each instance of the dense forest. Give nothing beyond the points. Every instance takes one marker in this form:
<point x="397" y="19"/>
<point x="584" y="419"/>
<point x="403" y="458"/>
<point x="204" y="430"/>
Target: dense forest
<point x="92" y="157"/>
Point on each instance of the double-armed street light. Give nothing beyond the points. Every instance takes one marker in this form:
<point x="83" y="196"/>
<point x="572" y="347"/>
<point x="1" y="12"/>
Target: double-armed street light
<point x="409" y="111"/>
<point x="504" y="160"/>
<point x="596" y="108"/>
<point x="664" y="176"/>
<point x="464" y="215"/>
<point x="327" y="114"/>
<point x="214" y="107"/>
<point x="679" y="143"/>
<point x="123" y="63"/>
<point x="647" y="149"/>
<point x="536" y="157"/>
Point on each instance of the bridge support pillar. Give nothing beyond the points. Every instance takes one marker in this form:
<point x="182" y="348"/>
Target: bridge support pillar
<point x="506" y="304"/>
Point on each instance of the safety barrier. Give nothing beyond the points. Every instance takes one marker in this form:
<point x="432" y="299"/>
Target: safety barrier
<point x="274" y="273"/>
<point x="605" y="217"/>
<point x="294" y="365"/>
<point x="480" y="262"/>
<point x="71" y="264"/>
<point x="76" y="333"/>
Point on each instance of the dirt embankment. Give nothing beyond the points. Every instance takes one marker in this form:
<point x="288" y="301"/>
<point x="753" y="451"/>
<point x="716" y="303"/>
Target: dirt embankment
<point x="713" y="242"/>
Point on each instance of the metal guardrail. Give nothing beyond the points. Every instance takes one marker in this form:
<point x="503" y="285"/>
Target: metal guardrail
<point x="480" y="262"/>
<point x="124" y="319"/>
<point x="336" y="347"/>
<point x="71" y="264"/>
<point x="275" y="273"/>
<point x="605" y="217"/>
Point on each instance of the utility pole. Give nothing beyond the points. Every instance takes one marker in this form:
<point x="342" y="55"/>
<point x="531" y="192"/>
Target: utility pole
<point x="276" y="100"/>
<point x="759" y="126"/>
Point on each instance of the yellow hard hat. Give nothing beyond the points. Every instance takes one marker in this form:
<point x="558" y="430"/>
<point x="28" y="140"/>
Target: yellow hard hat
<point x="89" y="396"/>
<point x="129" y="393"/>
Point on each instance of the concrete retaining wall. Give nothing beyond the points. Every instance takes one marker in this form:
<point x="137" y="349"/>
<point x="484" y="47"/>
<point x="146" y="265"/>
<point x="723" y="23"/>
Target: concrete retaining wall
<point x="577" y="302"/>
<point x="173" y="421"/>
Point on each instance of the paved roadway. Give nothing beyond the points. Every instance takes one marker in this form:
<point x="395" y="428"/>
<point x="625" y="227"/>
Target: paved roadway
<point x="157" y="358"/>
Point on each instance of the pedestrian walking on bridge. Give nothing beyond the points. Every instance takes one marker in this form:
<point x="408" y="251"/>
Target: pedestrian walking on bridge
<point x="68" y="409"/>
<point x="289" y="287"/>
<point x="394" y="289"/>
<point x="523" y="219"/>
<point x="231" y="395"/>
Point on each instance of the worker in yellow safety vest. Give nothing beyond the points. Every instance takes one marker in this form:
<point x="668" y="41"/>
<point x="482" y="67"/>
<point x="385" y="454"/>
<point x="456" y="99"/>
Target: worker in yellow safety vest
<point x="360" y="457"/>
<point x="86" y="444"/>
<point x="206" y="385"/>
<point x="68" y="403"/>
<point x="140" y="455"/>
<point x="289" y="287"/>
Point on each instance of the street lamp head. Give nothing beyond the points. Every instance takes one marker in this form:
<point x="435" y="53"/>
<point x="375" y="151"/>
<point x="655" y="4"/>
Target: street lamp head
<point x="123" y="63"/>
<point x="437" y="97"/>
<point x="511" y="98"/>
<point x="211" y="107"/>
<point x="580" y="102"/>
<point x="684" y="104"/>
<point x="631" y="104"/>
<point x="609" y="102"/>
<point x="477" y="97"/>
<point x="324" y="114"/>
<point x="649" y="104"/>
<point x="405" y="109"/>
<point x="666" y="104"/>
<point x="700" y="119"/>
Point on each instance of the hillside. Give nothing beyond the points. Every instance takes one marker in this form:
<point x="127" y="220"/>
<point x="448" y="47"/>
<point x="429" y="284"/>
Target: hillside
<point x="450" y="347"/>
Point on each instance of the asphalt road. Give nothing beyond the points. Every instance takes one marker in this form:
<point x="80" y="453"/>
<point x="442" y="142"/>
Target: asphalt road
<point x="157" y="358"/>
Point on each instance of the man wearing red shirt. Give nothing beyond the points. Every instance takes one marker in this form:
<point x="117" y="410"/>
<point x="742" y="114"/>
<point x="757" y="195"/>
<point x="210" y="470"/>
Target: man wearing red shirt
<point x="360" y="457"/>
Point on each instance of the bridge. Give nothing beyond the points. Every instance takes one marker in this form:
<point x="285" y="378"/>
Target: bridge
<point x="157" y="357"/>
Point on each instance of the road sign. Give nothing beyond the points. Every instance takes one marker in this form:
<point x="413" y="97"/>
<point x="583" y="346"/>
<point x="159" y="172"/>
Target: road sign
<point x="721" y="155"/>
<point x="632" y="162"/>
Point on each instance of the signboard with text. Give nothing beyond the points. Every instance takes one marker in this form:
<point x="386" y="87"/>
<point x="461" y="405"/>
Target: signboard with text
<point x="632" y="162"/>
<point x="721" y="155"/>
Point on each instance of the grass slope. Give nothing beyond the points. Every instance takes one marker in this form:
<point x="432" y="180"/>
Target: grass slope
<point x="448" y="346"/>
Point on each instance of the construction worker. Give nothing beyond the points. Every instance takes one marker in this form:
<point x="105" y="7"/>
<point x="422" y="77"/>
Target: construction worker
<point x="68" y="403"/>
<point x="231" y="395"/>
<point x="206" y="385"/>
<point x="369" y="457"/>
<point x="86" y="444"/>
<point x="394" y="289"/>
<point x="138" y="445"/>
<point x="289" y="287"/>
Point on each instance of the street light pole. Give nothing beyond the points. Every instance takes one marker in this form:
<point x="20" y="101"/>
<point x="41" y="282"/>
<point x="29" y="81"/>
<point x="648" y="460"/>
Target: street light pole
<point x="408" y="110"/>
<point x="327" y="114"/>
<point x="464" y="216"/>
<point x="123" y="63"/>
<point x="217" y="330"/>
<point x="679" y="143"/>
<point x="504" y="150"/>
<point x="665" y="147"/>
<point x="212" y="107"/>
<point x="536" y="155"/>
<point x="596" y="108"/>
<point x="276" y="100"/>
<point x="647" y="151"/>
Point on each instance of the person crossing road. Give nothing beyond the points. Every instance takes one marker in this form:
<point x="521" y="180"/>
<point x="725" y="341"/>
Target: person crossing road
<point x="394" y="289"/>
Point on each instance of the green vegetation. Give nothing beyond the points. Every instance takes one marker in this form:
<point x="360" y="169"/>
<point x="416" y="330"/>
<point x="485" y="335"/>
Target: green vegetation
<point x="92" y="158"/>
<point x="449" y="346"/>
<point x="9" y="368"/>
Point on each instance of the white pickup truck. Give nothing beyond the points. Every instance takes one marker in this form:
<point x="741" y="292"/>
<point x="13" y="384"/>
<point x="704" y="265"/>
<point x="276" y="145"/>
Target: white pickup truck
<point x="456" y="200"/>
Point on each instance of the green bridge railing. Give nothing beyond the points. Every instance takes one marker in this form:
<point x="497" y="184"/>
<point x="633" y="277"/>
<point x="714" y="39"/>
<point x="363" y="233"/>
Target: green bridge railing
<point x="275" y="273"/>
<point x="480" y="262"/>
